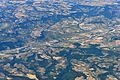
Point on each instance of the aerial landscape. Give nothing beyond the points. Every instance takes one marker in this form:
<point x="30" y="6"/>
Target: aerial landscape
<point x="59" y="39"/>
